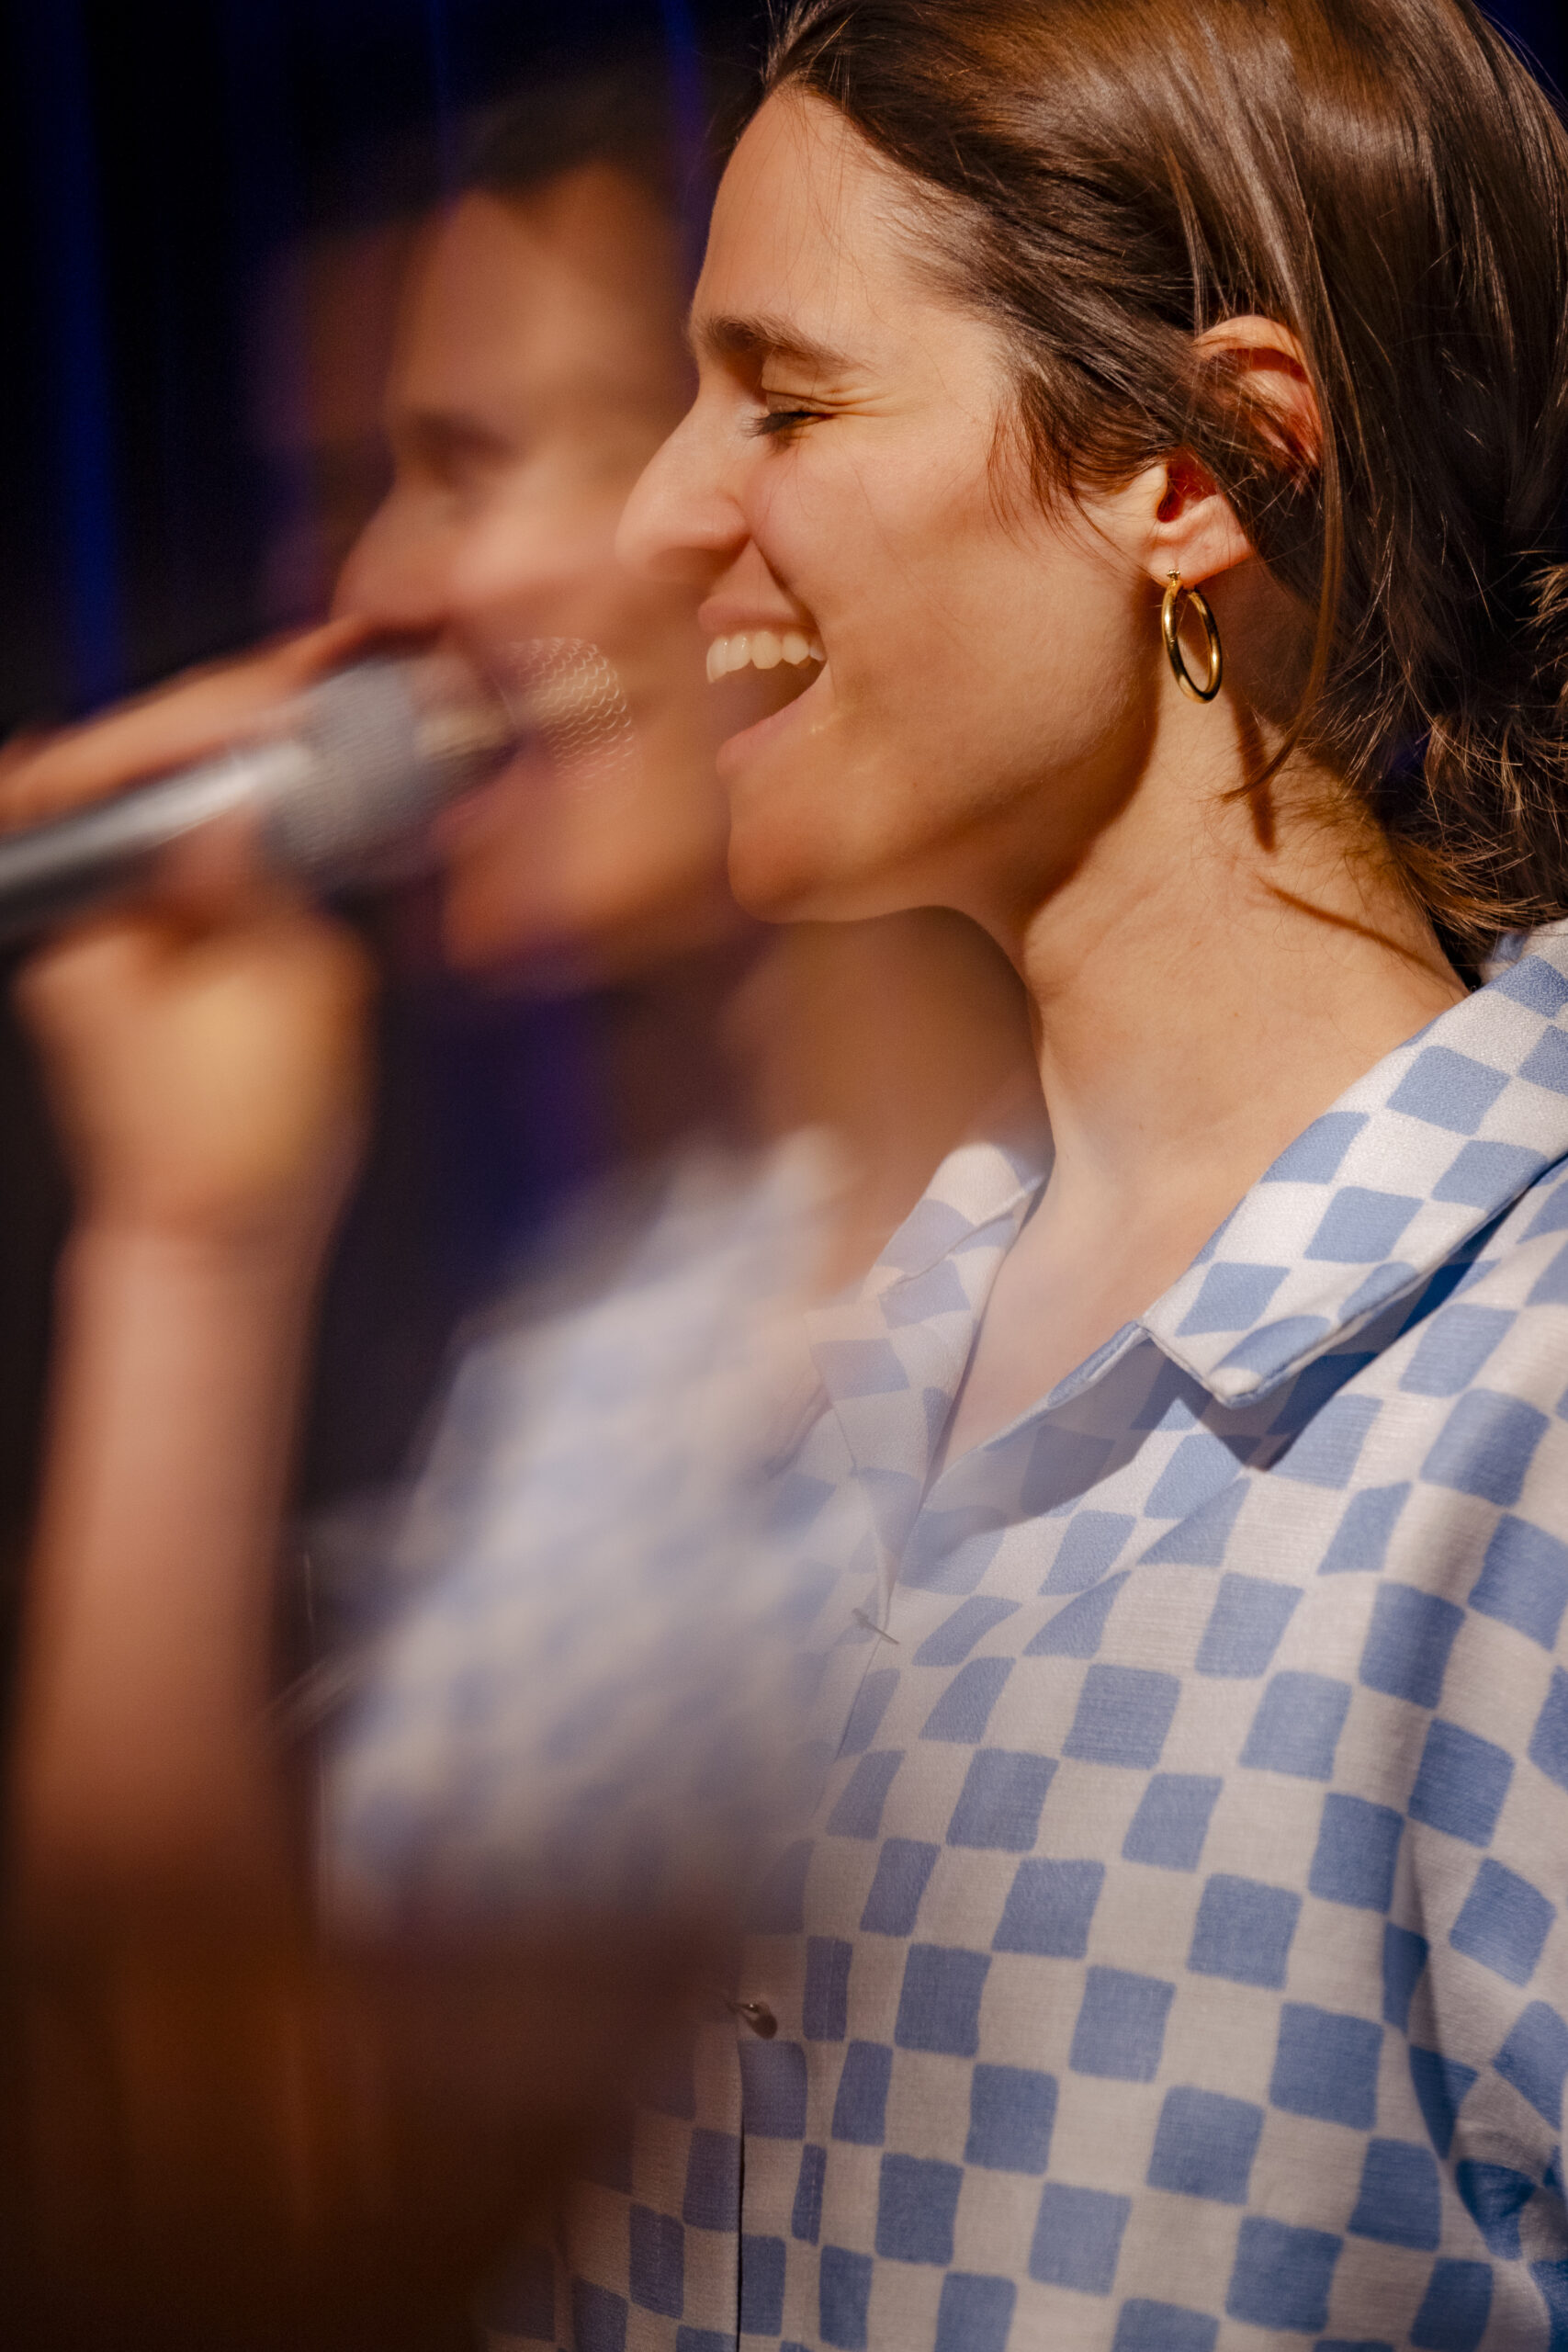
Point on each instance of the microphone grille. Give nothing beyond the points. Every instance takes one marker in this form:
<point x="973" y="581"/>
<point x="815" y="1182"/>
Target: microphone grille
<point x="384" y="745"/>
<point x="564" y="691"/>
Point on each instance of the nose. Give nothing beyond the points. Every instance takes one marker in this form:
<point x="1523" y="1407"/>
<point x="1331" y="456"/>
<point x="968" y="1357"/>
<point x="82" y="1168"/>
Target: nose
<point x="682" y="522"/>
<point x="391" y="576"/>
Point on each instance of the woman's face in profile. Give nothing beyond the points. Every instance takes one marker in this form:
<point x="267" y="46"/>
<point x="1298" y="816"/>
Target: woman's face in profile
<point x="851" y="472"/>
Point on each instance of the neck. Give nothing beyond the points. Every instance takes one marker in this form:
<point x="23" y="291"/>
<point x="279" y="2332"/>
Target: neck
<point x="1218" y="968"/>
<point x="667" y="1074"/>
<point x="1202" y="990"/>
<point x="896" y="1036"/>
<point x="891" y="1036"/>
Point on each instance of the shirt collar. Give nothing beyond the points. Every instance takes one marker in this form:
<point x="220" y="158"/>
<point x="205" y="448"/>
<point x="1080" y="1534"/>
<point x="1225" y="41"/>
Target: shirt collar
<point x="1414" y="1160"/>
<point x="891" y="1359"/>
<point x="1421" y="1154"/>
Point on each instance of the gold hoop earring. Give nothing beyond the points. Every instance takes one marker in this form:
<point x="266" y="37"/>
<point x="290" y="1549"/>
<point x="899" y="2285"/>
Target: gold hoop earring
<point x="1170" y="630"/>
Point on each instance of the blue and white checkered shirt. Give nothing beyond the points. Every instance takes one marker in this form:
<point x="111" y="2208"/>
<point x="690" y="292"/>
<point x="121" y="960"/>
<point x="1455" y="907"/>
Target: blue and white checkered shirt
<point x="1178" y="1960"/>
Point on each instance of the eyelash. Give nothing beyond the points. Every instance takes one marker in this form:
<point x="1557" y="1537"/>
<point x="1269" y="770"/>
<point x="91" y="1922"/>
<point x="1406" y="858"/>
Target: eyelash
<point x="781" y="420"/>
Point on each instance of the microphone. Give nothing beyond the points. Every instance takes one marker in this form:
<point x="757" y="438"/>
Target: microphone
<point x="343" y="784"/>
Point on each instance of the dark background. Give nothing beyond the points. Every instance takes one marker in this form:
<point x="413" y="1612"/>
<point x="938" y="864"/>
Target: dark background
<point x="156" y="158"/>
<point x="154" y="153"/>
<point x="162" y="166"/>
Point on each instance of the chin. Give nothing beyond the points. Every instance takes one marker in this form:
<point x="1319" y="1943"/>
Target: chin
<point x="612" y="931"/>
<point x="484" y="932"/>
<point x="788" y="882"/>
<point x="772" y="881"/>
<point x="817" y="836"/>
<point x="485" y="928"/>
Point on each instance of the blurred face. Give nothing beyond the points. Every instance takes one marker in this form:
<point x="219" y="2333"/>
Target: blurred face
<point x="988" y="686"/>
<point x="540" y="364"/>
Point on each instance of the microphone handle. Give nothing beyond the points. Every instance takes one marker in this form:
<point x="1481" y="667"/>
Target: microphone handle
<point x="98" y="855"/>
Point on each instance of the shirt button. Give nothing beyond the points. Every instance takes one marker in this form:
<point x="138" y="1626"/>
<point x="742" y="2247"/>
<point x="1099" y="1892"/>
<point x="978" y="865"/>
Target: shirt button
<point x="759" y="2017"/>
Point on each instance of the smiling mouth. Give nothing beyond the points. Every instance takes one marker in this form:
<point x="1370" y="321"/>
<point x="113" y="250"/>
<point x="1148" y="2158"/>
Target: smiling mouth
<point x="762" y="649"/>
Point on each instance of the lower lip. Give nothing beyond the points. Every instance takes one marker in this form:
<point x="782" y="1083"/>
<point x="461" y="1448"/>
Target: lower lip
<point x="736" y="750"/>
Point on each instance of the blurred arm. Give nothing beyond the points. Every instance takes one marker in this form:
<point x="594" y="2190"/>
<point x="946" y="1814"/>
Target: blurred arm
<point x="143" y="1764"/>
<point x="204" y="1060"/>
<point x="215" y="2134"/>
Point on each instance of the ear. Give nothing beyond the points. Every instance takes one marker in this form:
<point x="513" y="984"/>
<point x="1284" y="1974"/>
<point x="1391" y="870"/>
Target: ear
<point x="1195" y="531"/>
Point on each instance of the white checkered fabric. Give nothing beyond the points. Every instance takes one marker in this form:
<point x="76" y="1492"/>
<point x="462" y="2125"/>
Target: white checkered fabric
<point x="574" y="1693"/>
<point x="1177" y="1961"/>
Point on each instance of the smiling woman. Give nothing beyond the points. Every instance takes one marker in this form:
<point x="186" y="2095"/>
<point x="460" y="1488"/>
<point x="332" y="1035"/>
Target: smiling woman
<point x="1176" y="1959"/>
<point x="1005" y="155"/>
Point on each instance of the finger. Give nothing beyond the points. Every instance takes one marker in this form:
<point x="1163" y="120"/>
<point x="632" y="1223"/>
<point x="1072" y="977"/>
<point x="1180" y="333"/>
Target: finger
<point x="218" y="878"/>
<point x="166" y="728"/>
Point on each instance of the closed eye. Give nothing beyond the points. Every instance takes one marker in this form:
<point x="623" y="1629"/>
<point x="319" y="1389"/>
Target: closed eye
<point x="782" y="419"/>
<point x="451" y="447"/>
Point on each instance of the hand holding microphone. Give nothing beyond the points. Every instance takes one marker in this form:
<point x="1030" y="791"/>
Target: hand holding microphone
<point x="340" y="786"/>
<point x="203" y="1036"/>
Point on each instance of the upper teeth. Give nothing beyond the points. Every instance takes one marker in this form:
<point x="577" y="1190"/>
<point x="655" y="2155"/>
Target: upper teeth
<point x="762" y="649"/>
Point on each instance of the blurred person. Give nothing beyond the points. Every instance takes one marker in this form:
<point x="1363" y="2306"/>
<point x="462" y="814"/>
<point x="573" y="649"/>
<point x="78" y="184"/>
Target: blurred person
<point x="205" y="1056"/>
<point x="321" y="323"/>
<point x="541" y="360"/>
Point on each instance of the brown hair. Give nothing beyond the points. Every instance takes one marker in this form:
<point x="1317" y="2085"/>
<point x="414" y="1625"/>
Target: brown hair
<point x="1383" y="177"/>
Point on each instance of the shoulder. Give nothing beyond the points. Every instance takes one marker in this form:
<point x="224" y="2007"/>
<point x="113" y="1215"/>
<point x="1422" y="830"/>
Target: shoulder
<point x="1488" y="1336"/>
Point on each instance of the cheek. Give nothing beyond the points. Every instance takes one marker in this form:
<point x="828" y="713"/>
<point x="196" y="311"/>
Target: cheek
<point x="516" y="548"/>
<point x="922" y="596"/>
<point x="988" y="694"/>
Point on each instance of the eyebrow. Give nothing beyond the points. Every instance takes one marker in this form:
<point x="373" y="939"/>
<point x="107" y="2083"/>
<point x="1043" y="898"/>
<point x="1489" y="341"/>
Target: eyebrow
<point x="763" y="336"/>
